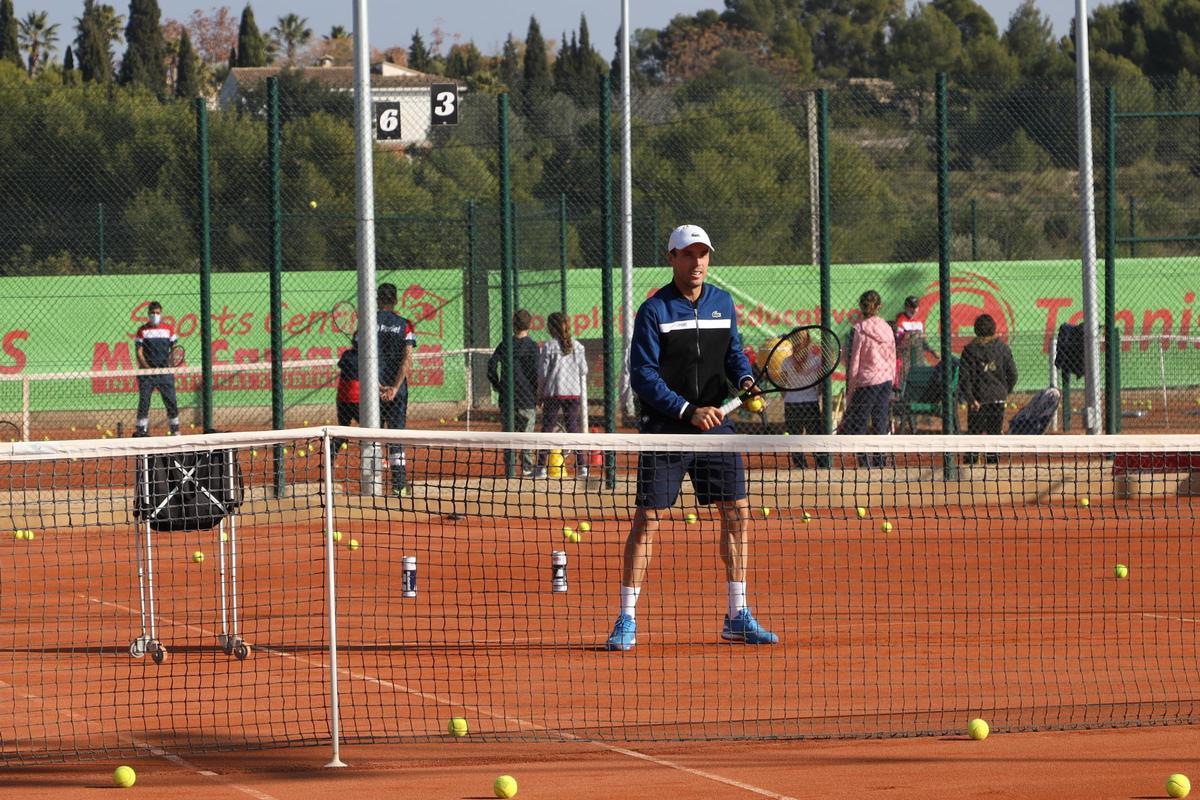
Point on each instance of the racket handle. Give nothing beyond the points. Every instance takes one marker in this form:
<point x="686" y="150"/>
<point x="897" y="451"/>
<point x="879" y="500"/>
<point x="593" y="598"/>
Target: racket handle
<point x="731" y="406"/>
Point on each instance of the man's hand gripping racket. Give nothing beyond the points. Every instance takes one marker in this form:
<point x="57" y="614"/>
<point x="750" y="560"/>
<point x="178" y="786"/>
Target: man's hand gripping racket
<point x="800" y="359"/>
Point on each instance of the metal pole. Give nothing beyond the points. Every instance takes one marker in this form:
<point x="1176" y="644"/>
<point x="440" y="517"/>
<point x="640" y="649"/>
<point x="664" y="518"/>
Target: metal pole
<point x="513" y="235"/>
<point x="949" y="468"/>
<point x="606" y="276"/>
<point x="331" y="606"/>
<point x="1112" y="350"/>
<point x="820" y="127"/>
<point x="371" y="477"/>
<point x="562" y="252"/>
<point x="507" y="286"/>
<point x="627" y="311"/>
<point x="1132" y="226"/>
<point x="274" y="207"/>
<point x="814" y="173"/>
<point x="206" y="373"/>
<point x="1087" y="232"/>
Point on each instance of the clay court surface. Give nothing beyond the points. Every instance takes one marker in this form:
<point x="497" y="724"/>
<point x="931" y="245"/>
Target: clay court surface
<point x="1004" y="607"/>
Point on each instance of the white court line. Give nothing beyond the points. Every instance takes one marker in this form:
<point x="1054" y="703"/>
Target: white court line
<point x="1170" y="618"/>
<point x="662" y="762"/>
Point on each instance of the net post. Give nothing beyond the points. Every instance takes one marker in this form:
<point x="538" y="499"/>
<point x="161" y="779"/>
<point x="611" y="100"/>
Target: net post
<point x="331" y="606"/>
<point x="949" y="469"/>
<point x="1110" y="257"/>
<point x="205" y="232"/>
<point x="508" y="294"/>
<point x="276" y="277"/>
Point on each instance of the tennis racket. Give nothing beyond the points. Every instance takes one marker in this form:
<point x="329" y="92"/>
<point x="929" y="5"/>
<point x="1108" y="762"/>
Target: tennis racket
<point x="177" y="355"/>
<point x="800" y="359"/>
<point x="9" y="432"/>
<point x="344" y="318"/>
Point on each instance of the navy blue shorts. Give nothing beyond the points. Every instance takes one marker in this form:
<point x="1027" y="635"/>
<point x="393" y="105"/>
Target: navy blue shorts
<point x="717" y="477"/>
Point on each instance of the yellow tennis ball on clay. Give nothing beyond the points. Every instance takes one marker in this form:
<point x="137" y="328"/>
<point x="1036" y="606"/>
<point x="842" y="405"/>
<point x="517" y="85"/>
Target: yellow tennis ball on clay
<point x="567" y="531"/>
<point x="354" y="544"/>
<point x="690" y="518"/>
<point x="886" y="527"/>
<point x="766" y="511"/>
<point x="574" y="538"/>
<point x="124" y="777"/>
<point x="755" y="404"/>
<point x="1121" y="571"/>
<point x="555" y="459"/>
<point x="806" y="517"/>
<point x="505" y="786"/>
<point x="30" y="535"/>
<point x="978" y="729"/>
<point x="1178" y="785"/>
<point x="457" y="727"/>
<point x="198" y="556"/>
<point x="585" y="526"/>
<point x="1084" y="502"/>
<point x="337" y="536"/>
<point x="862" y="512"/>
<point x="224" y="536"/>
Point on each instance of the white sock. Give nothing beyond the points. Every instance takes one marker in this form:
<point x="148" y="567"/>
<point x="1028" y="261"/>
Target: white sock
<point x="629" y="598"/>
<point x="737" y="597"/>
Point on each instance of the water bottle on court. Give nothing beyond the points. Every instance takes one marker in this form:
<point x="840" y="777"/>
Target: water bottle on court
<point x="558" y="571"/>
<point x="408" y="581"/>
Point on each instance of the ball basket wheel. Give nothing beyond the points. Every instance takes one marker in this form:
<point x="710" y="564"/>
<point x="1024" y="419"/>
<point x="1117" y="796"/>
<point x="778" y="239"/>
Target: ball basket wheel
<point x="241" y="650"/>
<point x="158" y="652"/>
<point x="226" y="643"/>
<point x="137" y="648"/>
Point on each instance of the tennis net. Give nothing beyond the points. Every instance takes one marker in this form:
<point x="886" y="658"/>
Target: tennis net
<point x="910" y="591"/>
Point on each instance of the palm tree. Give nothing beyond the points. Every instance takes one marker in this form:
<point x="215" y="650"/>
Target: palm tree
<point x="337" y="32"/>
<point x="37" y="38"/>
<point x="291" y="32"/>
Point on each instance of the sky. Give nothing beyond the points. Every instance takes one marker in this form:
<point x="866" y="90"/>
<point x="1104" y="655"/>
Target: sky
<point x="486" y="22"/>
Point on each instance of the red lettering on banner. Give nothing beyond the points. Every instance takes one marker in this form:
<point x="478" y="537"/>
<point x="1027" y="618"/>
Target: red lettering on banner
<point x="106" y="358"/>
<point x="1052" y="306"/>
<point x="1162" y="315"/>
<point x="13" y="351"/>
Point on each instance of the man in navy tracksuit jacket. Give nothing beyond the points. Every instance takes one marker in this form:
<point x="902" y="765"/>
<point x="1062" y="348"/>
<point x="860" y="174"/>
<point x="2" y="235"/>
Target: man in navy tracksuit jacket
<point x="684" y="355"/>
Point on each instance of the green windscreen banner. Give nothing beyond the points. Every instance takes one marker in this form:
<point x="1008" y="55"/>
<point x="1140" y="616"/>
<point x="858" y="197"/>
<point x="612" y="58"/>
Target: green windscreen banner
<point x="81" y="325"/>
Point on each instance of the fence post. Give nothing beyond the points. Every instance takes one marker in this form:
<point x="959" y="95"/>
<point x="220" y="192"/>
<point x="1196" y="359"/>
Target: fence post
<point x="1132" y="226"/>
<point x="562" y="252"/>
<point x="974" y="230"/>
<point x="606" y="274"/>
<point x="1112" y="353"/>
<point x="206" y="374"/>
<point x="822" y="230"/>
<point x="513" y="235"/>
<point x="276" y="284"/>
<point x="507" y="288"/>
<point x="949" y="412"/>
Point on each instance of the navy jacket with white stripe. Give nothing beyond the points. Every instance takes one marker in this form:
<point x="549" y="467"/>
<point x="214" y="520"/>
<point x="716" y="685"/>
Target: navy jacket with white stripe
<point x="685" y="354"/>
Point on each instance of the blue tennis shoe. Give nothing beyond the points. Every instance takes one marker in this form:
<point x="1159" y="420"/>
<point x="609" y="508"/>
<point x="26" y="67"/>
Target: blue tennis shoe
<point x="624" y="635"/>
<point x="743" y="628"/>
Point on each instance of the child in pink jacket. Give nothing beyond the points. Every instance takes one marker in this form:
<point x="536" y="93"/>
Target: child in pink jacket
<point x="871" y="372"/>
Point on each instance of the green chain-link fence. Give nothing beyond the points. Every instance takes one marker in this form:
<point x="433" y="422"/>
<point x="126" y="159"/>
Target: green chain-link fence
<point x="99" y="213"/>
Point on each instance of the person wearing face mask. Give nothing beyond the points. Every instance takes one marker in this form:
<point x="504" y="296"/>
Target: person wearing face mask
<point x="153" y="343"/>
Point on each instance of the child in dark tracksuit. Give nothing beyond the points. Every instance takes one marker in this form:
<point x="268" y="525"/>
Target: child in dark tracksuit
<point x="987" y="374"/>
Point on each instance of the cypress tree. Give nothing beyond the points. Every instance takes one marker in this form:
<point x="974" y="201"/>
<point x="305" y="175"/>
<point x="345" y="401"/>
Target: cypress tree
<point x="510" y="65"/>
<point x="10" y="47"/>
<point x="419" y="57"/>
<point x="144" y="63"/>
<point x="68" y="73"/>
<point x="251" y="46"/>
<point x="95" y="62"/>
<point x="535" y="77"/>
<point x="187" y="84"/>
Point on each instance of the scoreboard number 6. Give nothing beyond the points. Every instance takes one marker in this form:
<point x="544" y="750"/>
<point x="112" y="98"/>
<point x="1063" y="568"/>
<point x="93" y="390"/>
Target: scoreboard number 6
<point x="387" y="121"/>
<point x="443" y="100"/>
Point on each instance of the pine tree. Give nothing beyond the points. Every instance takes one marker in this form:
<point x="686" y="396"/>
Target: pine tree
<point x="144" y="63"/>
<point x="95" y="60"/>
<point x="251" y="46"/>
<point x="233" y="57"/>
<point x="535" y="77"/>
<point x="187" y="84"/>
<point x="589" y="66"/>
<point x="68" y="69"/>
<point x="10" y="48"/>
<point x="419" y="57"/>
<point x="565" y="63"/>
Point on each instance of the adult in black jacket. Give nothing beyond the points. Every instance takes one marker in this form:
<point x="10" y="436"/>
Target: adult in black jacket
<point x="987" y="375"/>
<point x="525" y="380"/>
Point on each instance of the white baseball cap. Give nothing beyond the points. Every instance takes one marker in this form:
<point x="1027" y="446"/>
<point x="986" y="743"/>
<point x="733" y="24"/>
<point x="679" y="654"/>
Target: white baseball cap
<point x="685" y="235"/>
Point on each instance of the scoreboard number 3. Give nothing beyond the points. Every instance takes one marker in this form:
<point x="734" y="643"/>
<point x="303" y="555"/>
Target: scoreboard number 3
<point x="443" y="99"/>
<point x="387" y="121"/>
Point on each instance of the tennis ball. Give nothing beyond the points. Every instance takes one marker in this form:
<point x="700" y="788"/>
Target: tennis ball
<point x="343" y="445"/>
<point x="690" y="518"/>
<point x="585" y="526"/>
<point x="441" y="420"/>
<point x="1178" y="785"/>
<point x="125" y="777"/>
<point x="337" y="536"/>
<point x="198" y="556"/>
<point x="754" y="404"/>
<point x="886" y="527"/>
<point x="862" y="512"/>
<point x="978" y="729"/>
<point x="806" y="517"/>
<point x="300" y="451"/>
<point x="224" y="536"/>
<point x="312" y="203"/>
<point x="567" y="532"/>
<point x="354" y="544"/>
<point x="574" y="538"/>
<point x="457" y="727"/>
<point x="30" y="535"/>
<point x="766" y="511"/>
<point x="1121" y="571"/>
<point x="1084" y="502"/>
<point x="506" y="786"/>
<point x="254" y="453"/>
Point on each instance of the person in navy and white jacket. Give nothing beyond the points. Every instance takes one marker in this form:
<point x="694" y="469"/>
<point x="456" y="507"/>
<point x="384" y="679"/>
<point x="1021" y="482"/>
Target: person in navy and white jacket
<point x="685" y="355"/>
<point x="153" y="342"/>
